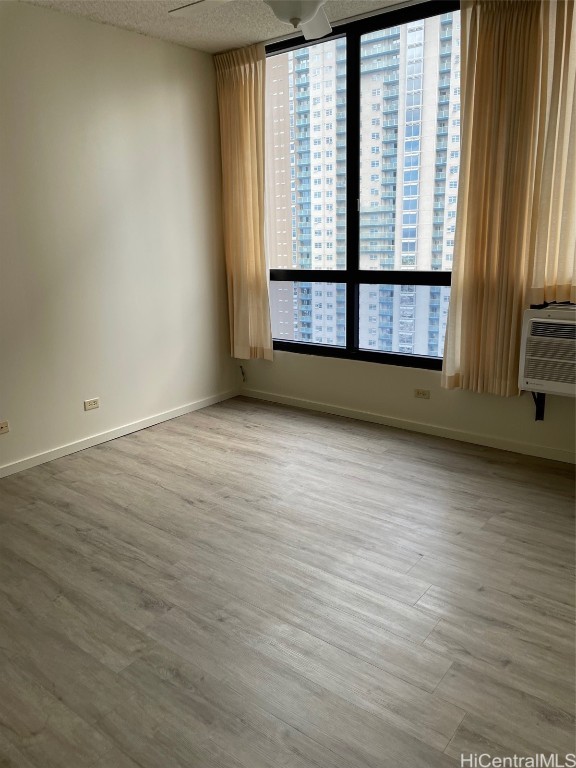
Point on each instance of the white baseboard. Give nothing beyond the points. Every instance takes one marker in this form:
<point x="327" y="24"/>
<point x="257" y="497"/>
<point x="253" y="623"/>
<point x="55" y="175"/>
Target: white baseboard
<point x="112" y="434"/>
<point x="542" y="451"/>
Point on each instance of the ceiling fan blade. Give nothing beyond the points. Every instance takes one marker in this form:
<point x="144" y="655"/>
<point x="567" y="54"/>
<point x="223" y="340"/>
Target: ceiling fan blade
<point x="318" y="26"/>
<point x="188" y="9"/>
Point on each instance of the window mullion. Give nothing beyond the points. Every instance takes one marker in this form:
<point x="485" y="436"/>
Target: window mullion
<point x="352" y="188"/>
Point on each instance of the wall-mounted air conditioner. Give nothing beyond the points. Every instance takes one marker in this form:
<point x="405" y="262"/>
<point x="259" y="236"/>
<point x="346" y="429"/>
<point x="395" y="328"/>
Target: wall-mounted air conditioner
<point x="548" y="350"/>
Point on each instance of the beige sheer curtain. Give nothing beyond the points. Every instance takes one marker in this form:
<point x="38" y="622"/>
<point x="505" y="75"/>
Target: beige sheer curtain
<point x="515" y="237"/>
<point x="554" y="273"/>
<point x="240" y="77"/>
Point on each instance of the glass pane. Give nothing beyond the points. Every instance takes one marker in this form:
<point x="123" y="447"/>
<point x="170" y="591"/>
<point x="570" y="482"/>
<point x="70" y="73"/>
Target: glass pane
<point x="410" y="319"/>
<point x="310" y="312"/>
<point x="410" y="144"/>
<point x="306" y="157"/>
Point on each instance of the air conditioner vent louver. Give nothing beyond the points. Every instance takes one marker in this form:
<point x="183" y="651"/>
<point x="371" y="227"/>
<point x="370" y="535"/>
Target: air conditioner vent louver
<point x="548" y="350"/>
<point x="550" y="370"/>
<point x="553" y="330"/>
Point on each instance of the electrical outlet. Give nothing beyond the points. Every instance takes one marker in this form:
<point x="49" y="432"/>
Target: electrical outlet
<point x="90" y="405"/>
<point x="4" y="427"/>
<point x="423" y="394"/>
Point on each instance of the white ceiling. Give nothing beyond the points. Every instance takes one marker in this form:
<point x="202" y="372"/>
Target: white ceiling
<point x="213" y="27"/>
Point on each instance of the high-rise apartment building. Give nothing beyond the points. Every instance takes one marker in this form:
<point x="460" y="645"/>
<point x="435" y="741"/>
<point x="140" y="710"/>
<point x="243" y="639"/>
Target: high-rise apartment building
<point x="409" y="162"/>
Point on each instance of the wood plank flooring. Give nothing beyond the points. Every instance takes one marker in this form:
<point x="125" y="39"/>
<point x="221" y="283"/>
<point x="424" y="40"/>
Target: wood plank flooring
<point x="253" y="586"/>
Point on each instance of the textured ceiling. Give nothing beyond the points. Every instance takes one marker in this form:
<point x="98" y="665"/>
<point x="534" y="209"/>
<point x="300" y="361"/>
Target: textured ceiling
<point x="213" y="27"/>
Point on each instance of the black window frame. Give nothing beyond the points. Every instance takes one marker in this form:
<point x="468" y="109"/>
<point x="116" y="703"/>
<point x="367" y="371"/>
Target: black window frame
<point x="353" y="277"/>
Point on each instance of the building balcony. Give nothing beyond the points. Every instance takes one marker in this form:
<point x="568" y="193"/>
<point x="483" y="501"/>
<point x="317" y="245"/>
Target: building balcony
<point x="382" y="34"/>
<point x="378" y="209"/>
<point x="369" y="236"/>
<point x="390" y="62"/>
<point x="370" y="66"/>
<point x="367" y="250"/>
<point x="378" y="50"/>
<point x="376" y="222"/>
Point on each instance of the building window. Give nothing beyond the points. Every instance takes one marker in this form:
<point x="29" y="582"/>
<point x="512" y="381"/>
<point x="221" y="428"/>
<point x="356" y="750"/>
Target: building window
<point x="361" y="253"/>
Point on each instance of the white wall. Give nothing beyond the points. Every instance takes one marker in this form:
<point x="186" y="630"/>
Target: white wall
<point x="385" y="394"/>
<point x="111" y="272"/>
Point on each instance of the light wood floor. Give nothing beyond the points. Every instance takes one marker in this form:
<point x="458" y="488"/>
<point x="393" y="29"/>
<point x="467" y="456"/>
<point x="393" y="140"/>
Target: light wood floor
<point x="252" y="585"/>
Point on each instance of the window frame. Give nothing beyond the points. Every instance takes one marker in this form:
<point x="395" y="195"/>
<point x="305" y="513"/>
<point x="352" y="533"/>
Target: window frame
<point x="353" y="277"/>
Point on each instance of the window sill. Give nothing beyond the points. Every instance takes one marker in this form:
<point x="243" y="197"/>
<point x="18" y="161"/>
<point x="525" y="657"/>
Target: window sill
<point x="364" y="355"/>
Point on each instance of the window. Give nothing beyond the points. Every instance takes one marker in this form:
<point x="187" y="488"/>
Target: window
<point x="385" y="280"/>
